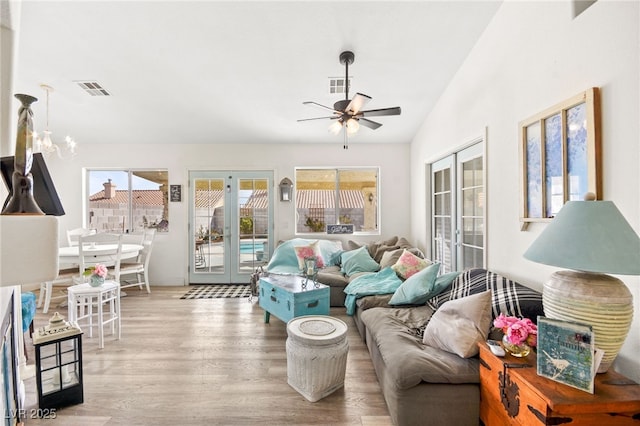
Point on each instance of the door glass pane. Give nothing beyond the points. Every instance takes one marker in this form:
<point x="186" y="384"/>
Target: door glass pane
<point x="472" y="214"/>
<point x="253" y="223"/>
<point x="472" y="257"/>
<point x="443" y="243"/>
<point x="209" y="225"/>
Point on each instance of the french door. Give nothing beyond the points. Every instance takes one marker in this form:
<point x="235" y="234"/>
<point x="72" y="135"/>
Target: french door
<point x="458" y="210"/>
<point x="231" y="225"/>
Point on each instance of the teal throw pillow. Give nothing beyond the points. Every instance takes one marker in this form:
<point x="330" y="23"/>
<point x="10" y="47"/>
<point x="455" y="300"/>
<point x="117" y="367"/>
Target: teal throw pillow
<point x="420" y="287"/>
<point x="412" y="291"/>
<point x="284" y="260"/>
<point x="331" y="251"/>
<point x="358" y="261"/>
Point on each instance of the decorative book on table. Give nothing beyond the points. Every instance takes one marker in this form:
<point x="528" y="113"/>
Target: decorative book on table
<point x="566" y="353"/>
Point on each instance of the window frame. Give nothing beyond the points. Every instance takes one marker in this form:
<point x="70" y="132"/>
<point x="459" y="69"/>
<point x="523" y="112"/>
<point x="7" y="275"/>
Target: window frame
<point x="540" y="201"/>
<point x="130" y="221"/>
<point x="371" y="196"/>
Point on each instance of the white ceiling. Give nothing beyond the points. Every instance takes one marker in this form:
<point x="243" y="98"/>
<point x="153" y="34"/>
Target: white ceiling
<point x="237" y="71"/>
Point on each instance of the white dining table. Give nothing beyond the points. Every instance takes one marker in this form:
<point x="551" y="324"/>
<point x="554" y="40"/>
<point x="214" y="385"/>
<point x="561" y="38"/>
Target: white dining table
<point x="102" y="253"/>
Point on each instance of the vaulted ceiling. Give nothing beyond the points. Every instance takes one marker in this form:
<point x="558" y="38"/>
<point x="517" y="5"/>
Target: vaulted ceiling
<point x="237" y="71"/>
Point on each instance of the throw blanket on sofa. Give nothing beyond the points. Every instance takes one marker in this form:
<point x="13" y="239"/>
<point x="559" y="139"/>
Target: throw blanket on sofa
<point x="384" y="282"/>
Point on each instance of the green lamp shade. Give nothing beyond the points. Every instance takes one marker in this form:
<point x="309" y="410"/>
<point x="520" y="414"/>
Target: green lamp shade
<point x="588" y="236"/>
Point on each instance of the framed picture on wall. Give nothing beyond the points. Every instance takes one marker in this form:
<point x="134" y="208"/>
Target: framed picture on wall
<point x="560" y="156"/>
<point x="175" y="193"/>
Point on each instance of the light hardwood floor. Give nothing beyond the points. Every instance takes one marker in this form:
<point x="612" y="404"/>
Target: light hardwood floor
<point x="205" y="362"/>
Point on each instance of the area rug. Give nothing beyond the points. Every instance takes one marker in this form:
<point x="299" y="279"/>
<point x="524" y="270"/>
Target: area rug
<point x="216" y="291"/>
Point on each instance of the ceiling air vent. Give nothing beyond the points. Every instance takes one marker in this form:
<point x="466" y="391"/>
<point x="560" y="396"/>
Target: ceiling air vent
<point x="93" y="88"/>
<point x="336" y="84"/>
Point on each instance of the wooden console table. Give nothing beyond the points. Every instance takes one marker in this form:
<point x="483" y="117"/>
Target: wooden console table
<point x="512" y="393"/>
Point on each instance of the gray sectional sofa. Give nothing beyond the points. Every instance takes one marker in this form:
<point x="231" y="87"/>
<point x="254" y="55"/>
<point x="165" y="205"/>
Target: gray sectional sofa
<point x="333" y="273"/>
<point x="425" y="381"/>
<point x="423" y="384"/>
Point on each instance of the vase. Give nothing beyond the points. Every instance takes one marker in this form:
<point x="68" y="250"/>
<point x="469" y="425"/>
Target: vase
<point x="96" y="280"/>
<point x="518" y="350"/>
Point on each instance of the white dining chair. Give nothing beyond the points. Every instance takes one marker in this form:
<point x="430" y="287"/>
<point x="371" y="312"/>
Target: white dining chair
<point x="140" y="266"/>
<point x="87" y="258"/>
<point x="65" y="278"/>
<point x="74" y="275"/>
<point x="73" y="234"/>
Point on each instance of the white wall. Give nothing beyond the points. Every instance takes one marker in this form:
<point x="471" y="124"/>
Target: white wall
<point x="169" y="260"/>
<point x="532" y="56"/>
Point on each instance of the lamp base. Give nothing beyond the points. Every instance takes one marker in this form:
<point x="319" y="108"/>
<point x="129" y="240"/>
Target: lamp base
<point x="22" y="201"/>
<point x="600" y="300"/>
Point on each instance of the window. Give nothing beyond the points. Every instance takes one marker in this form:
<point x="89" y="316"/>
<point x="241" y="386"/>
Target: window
<point x="128" y="200"/>
<point x="560" y="155"/>
<point x="337" y="196"/>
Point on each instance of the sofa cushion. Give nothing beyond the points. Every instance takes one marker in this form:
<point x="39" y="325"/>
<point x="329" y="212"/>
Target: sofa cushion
<point x="408" y="361"/>
<point x="409" y="264"/>
<point x="390" y="257"/>
<point x="460" y="324"/>
<point x="331" y="276"/>
<point x="381" y="250"/>
<point x="374" y="301"/>
<point x="358" y="261"/>
<point x="417" y="288"/>
<point x="507" y="296"/>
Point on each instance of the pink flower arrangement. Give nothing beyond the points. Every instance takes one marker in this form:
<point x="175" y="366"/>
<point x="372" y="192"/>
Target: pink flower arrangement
<point x="99" y="269"/>
<point x="517" y="330"/>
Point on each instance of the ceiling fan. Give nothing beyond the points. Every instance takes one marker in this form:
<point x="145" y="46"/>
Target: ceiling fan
<point x="348" y="113"/>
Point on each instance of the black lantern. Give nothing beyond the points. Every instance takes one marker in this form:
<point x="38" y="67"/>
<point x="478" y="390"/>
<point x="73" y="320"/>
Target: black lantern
<point x="59" y="363"/>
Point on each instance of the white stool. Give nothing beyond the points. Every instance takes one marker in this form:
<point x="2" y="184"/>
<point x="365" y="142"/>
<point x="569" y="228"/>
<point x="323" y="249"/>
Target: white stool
<point x="82" y="300"/>
<point x="317" y="351"/>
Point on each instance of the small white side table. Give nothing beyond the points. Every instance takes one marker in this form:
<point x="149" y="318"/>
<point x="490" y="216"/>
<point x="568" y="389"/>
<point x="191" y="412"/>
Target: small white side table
<point x="317" y="351"/>
<point x="82" y="299"/>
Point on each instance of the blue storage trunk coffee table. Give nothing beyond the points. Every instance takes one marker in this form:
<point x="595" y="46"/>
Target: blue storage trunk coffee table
<point x="287" y="297"/>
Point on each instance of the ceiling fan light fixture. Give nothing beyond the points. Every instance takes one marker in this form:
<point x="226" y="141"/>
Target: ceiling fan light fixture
<point x="335" y="127"/>
<point x="352" y="126"/>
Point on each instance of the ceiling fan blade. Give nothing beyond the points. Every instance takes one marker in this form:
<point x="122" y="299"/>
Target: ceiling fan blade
<point x="358" y="101"/>
<point x="378" y="112"/>
<point x="319" y="105"/>
<point x="319" y="118"/>
<point x="368" y="123"/>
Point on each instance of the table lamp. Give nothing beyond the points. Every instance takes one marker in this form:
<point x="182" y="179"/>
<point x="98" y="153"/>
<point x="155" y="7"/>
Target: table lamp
<point x="593" y="239"/>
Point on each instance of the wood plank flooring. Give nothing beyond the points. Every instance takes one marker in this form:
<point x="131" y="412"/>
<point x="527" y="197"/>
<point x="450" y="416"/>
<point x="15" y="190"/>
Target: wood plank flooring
<point x="205" y="362"/>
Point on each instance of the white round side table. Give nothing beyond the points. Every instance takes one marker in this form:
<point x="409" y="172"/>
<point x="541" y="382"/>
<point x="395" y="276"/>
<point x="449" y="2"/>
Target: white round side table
<point x="317" y="351"/>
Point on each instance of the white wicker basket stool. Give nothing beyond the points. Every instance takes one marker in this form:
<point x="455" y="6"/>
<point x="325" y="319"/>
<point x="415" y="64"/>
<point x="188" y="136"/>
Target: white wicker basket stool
<point x="317" y="351"/>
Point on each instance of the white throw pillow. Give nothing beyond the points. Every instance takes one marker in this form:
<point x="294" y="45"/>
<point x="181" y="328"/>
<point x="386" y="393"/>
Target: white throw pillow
<point x="459" y="325"/>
